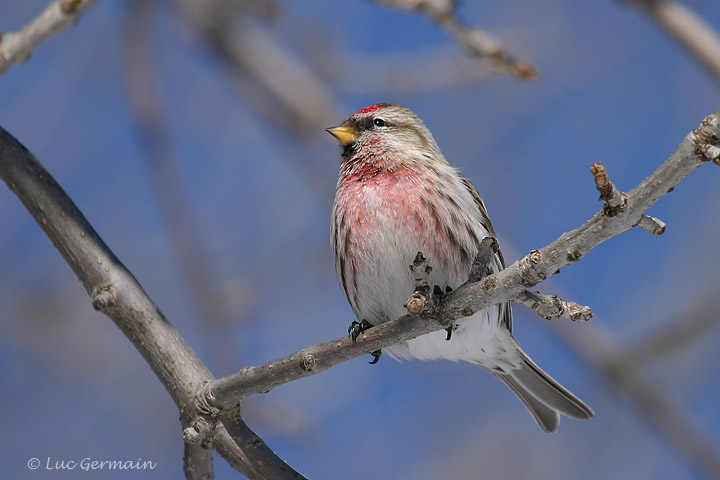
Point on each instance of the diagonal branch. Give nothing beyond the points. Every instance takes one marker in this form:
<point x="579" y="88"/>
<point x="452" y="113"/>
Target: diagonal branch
<point x="111" y="286"/>
<point x="690" y="30"/>
<point x="16" y="47"/>
<point x="672" y="336"/>
<point x="477" y="42"/>
<point x="270" y="78"/>
<point x="241" y="446"/>
<point x="470" y="297"/>
<point x="115" y="292"/>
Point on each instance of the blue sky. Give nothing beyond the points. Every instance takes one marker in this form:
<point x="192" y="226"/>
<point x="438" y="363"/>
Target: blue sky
<point x="612" y="88"/>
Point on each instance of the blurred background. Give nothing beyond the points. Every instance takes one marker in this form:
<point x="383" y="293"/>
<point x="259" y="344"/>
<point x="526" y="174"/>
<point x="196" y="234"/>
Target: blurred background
<point x="191" y="136"/>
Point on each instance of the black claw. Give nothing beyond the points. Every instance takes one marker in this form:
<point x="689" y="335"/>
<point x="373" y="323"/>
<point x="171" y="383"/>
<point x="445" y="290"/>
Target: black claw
<point x="449" y="331"/>
<point x="356" y="328"/>
<point x="377" y="354"/>
<point x="448" y="289"/>
<point x="437" y="290"/>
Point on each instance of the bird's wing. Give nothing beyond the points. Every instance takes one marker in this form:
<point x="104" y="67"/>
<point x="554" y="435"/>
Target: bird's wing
<point x="504" y="309"/>
<point x="480" y="205"/>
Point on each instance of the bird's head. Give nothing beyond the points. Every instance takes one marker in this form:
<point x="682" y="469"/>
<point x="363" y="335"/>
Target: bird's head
<point x="387" y="131"/>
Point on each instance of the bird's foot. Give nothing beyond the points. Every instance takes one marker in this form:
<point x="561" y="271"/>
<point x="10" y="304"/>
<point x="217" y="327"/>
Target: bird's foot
<point x="438" y="292"/>
<point x="356" y="328"/>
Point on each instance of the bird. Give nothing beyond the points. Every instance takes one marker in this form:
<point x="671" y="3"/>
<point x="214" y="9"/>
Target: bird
<point x="396" y="196"/>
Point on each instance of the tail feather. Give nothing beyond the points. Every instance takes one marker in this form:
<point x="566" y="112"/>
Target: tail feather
<point x="546" y="417"/>
<point x="542" y="395"/>
<point x="548" y="391"/>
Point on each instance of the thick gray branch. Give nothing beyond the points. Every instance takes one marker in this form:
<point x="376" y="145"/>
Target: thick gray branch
<point x="116" y="292"/>
<point x="471" y="297"/>
<point x="16" y="47"/>
<point x="197" y="463"/>
<point x="111" y="286"/>
<point x="248" y="454"/>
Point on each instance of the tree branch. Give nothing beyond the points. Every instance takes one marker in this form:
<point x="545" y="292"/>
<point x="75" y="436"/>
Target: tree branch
<point x="690" y="30"/>
<point x="247" y="453"/>
<point x="548" y="306"/>
<point x="509" y="284"/>
<point x="672" y="336"/>
<point x="111" y="286"/>
<point x="116" y="293"/>
<point x="478" y="42"/>
<point x="16" y="47"/>
<point x="197" y="462"/>
<point x="271" y="79"/>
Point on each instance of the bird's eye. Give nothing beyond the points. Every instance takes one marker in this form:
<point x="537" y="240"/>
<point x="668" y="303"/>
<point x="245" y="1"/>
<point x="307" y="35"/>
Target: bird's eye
<point x="379" y="122"/>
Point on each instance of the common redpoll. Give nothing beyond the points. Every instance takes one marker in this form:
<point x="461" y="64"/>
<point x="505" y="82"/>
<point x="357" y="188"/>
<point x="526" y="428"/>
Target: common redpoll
<point x="396" y="196"/>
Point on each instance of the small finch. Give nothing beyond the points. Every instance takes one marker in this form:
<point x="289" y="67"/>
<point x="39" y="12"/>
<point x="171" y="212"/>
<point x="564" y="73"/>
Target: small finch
<point x="396" y="196"/>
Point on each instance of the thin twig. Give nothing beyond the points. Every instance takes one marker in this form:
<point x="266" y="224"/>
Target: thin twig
<point x="549" y="306"/>
<point x="16" y="47"/>
<point x="652" y="225"/>
<point x="614" y="200"/>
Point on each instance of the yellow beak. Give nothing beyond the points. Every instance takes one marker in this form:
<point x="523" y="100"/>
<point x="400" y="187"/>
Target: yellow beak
<point x="346" y="135"/>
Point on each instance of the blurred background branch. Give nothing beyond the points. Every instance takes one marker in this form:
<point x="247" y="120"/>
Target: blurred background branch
<point x="16" y="47"/>
<point x="196" y="264"/>
<point x="690" y="30"/>
<point x="476" y="41"/>
<point x="279" y="86"/>
<point x="623" y="374"/>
